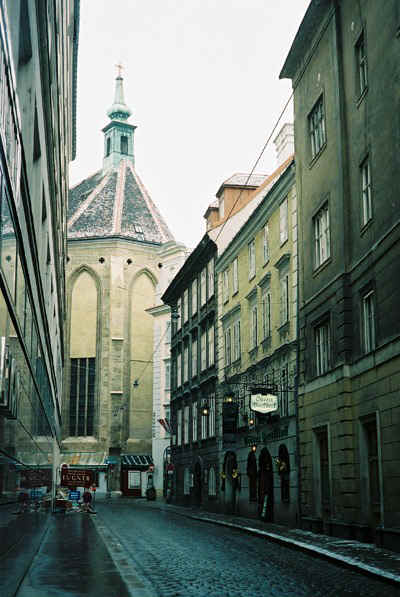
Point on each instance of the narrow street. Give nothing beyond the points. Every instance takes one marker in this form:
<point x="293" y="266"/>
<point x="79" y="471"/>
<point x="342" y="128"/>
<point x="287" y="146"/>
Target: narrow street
<point x="159" y="553"/>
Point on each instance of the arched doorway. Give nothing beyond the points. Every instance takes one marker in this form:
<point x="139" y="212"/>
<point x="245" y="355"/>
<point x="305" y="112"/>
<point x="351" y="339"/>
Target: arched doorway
<point x="266" y="486"/>
<point x="197" y="484"/>
<point x="230" y="466"/>
<point x="252" y="475"/>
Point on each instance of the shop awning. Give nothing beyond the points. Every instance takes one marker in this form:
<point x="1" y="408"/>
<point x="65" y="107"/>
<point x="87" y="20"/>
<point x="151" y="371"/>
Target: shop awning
<point x="84" y="459"/>
<point x="137" y="460"/>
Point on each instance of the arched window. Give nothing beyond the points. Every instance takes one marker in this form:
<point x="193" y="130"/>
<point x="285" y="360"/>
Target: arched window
<point x="212" y="484"/>
<point x="284" y="472"/>
<point x="83" y="356"/>
<point x="124" y="144"/>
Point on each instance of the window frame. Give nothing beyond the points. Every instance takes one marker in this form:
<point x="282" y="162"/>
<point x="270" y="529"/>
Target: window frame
<point x="321" y="236"/>
<point x="368" y="321"/>
<point x="252" y="258"/>
<point x="317" y="127"/>
<point x="361" y="64"/>
<point x="366" y="191"/>
<point x="322" y="349"/>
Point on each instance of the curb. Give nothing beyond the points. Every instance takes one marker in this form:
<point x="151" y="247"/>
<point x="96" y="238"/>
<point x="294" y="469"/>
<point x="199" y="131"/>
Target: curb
<point x="319" y="552"/>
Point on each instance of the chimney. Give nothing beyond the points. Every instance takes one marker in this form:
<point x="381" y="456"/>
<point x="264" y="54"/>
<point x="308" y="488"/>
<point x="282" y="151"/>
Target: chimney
<point x="284" y="143"/>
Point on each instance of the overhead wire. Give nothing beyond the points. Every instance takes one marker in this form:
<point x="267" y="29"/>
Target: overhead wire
<point x="255" y="164"/>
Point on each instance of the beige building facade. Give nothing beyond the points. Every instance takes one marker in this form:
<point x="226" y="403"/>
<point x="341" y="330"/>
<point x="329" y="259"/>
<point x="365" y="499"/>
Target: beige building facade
<point x="118" y="248"/>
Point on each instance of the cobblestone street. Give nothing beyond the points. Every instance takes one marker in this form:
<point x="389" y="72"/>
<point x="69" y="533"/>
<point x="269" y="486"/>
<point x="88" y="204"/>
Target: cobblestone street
<point x="174" y="556"/>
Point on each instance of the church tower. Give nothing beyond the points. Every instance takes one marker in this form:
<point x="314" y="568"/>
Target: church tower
<point x="118" y="134"/>
<point x="119" y="251"/>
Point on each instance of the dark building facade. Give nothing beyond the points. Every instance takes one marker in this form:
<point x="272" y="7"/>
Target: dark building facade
<point x="345" y="69"/>
<point x="194" y="455"/>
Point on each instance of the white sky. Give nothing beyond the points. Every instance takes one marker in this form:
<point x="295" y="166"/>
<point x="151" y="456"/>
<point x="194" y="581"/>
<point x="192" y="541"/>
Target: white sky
<point x="202" y="80"/>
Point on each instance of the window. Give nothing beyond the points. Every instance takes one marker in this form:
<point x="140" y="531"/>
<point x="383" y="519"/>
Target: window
<point x="283" y="221"/>
<point x="124" y="144"/>
<point x="204" y="426"/>
<point x="179" y="370"/>
<point x="266" y="313"/>
<point x="167" y="368"/>
<point x="186" y="305"/>
<point x="81" y="405"/>
<point x="235" y="279"/>
<point x="322" y="348"/>
<point x="284" y="394"/>
<point x="210" y="271"/>
<point x="108" y="150"/>
<point x="366" y="194"/>
<point x="316" y="125"/>
<point x="194" y="357"/>
<point x="236" y="341"/>
<point x="266" y="243"/>
<point x="203" y="350"/>
<point x="225" y="286"/>
<point x="361" y="61"/>
<point x="186" y="481"/>
<point x="228" y="348"/>
<point x="212" y="483"/>
<point x="211" y="416"/>
<point x="203" y="287"/>
<point x="194" y="296"/>
<point x="194" y="421"/>
<point x="253" y="328"/>
<point x="211" y="351"/>
<point x="186" y="425"/>
<point x="284" y="299"/>
<point x="179" y="427"/>
<point x="252" y="259"/>
<point x="186" y="363"/>
<point x="168" y="333"/>
<point x="368" y="321"/>
<point x="322" y="248"/>
<point x="179" y="314"/>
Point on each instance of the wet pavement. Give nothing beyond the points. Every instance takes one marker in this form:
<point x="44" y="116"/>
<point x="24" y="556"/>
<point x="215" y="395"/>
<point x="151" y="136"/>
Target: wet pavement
<point x="176" y="554"/>
<point x="135" y="548"/>
<point x="72" y="561"/>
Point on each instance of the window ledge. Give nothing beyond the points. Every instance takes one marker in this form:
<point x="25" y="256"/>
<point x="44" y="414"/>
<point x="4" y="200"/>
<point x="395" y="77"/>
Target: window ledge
<point x="322" y="266"/>
<point x="362" y="96"/>
<point x="284" y="327"/>
<point x="366" y="226"/>
<point x="253" y="352"/>
<point x="317" y="155"/>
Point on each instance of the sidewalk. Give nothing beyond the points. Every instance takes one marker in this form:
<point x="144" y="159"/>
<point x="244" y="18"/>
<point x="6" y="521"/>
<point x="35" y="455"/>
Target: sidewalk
<point x="362" y="557"/>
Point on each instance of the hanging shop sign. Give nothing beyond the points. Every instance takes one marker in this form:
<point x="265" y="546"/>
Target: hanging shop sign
<point x="76" y="478"/>
<point x="263" y="403"/>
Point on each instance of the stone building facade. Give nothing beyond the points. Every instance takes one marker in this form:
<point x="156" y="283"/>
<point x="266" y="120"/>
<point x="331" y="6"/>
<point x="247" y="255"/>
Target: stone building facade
<point x="257" y="313"/>
<point x="118" y="244"/>
<point x="344" y="65"/>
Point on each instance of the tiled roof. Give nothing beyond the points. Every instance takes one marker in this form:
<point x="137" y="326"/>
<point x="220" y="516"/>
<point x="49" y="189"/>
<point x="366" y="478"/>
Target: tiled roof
<point x="115" y="203"/>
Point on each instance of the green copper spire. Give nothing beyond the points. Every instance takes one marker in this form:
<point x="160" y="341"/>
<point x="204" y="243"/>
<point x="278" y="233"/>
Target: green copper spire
<point x="119" y="110"/>
<point x="118" y="134"/>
